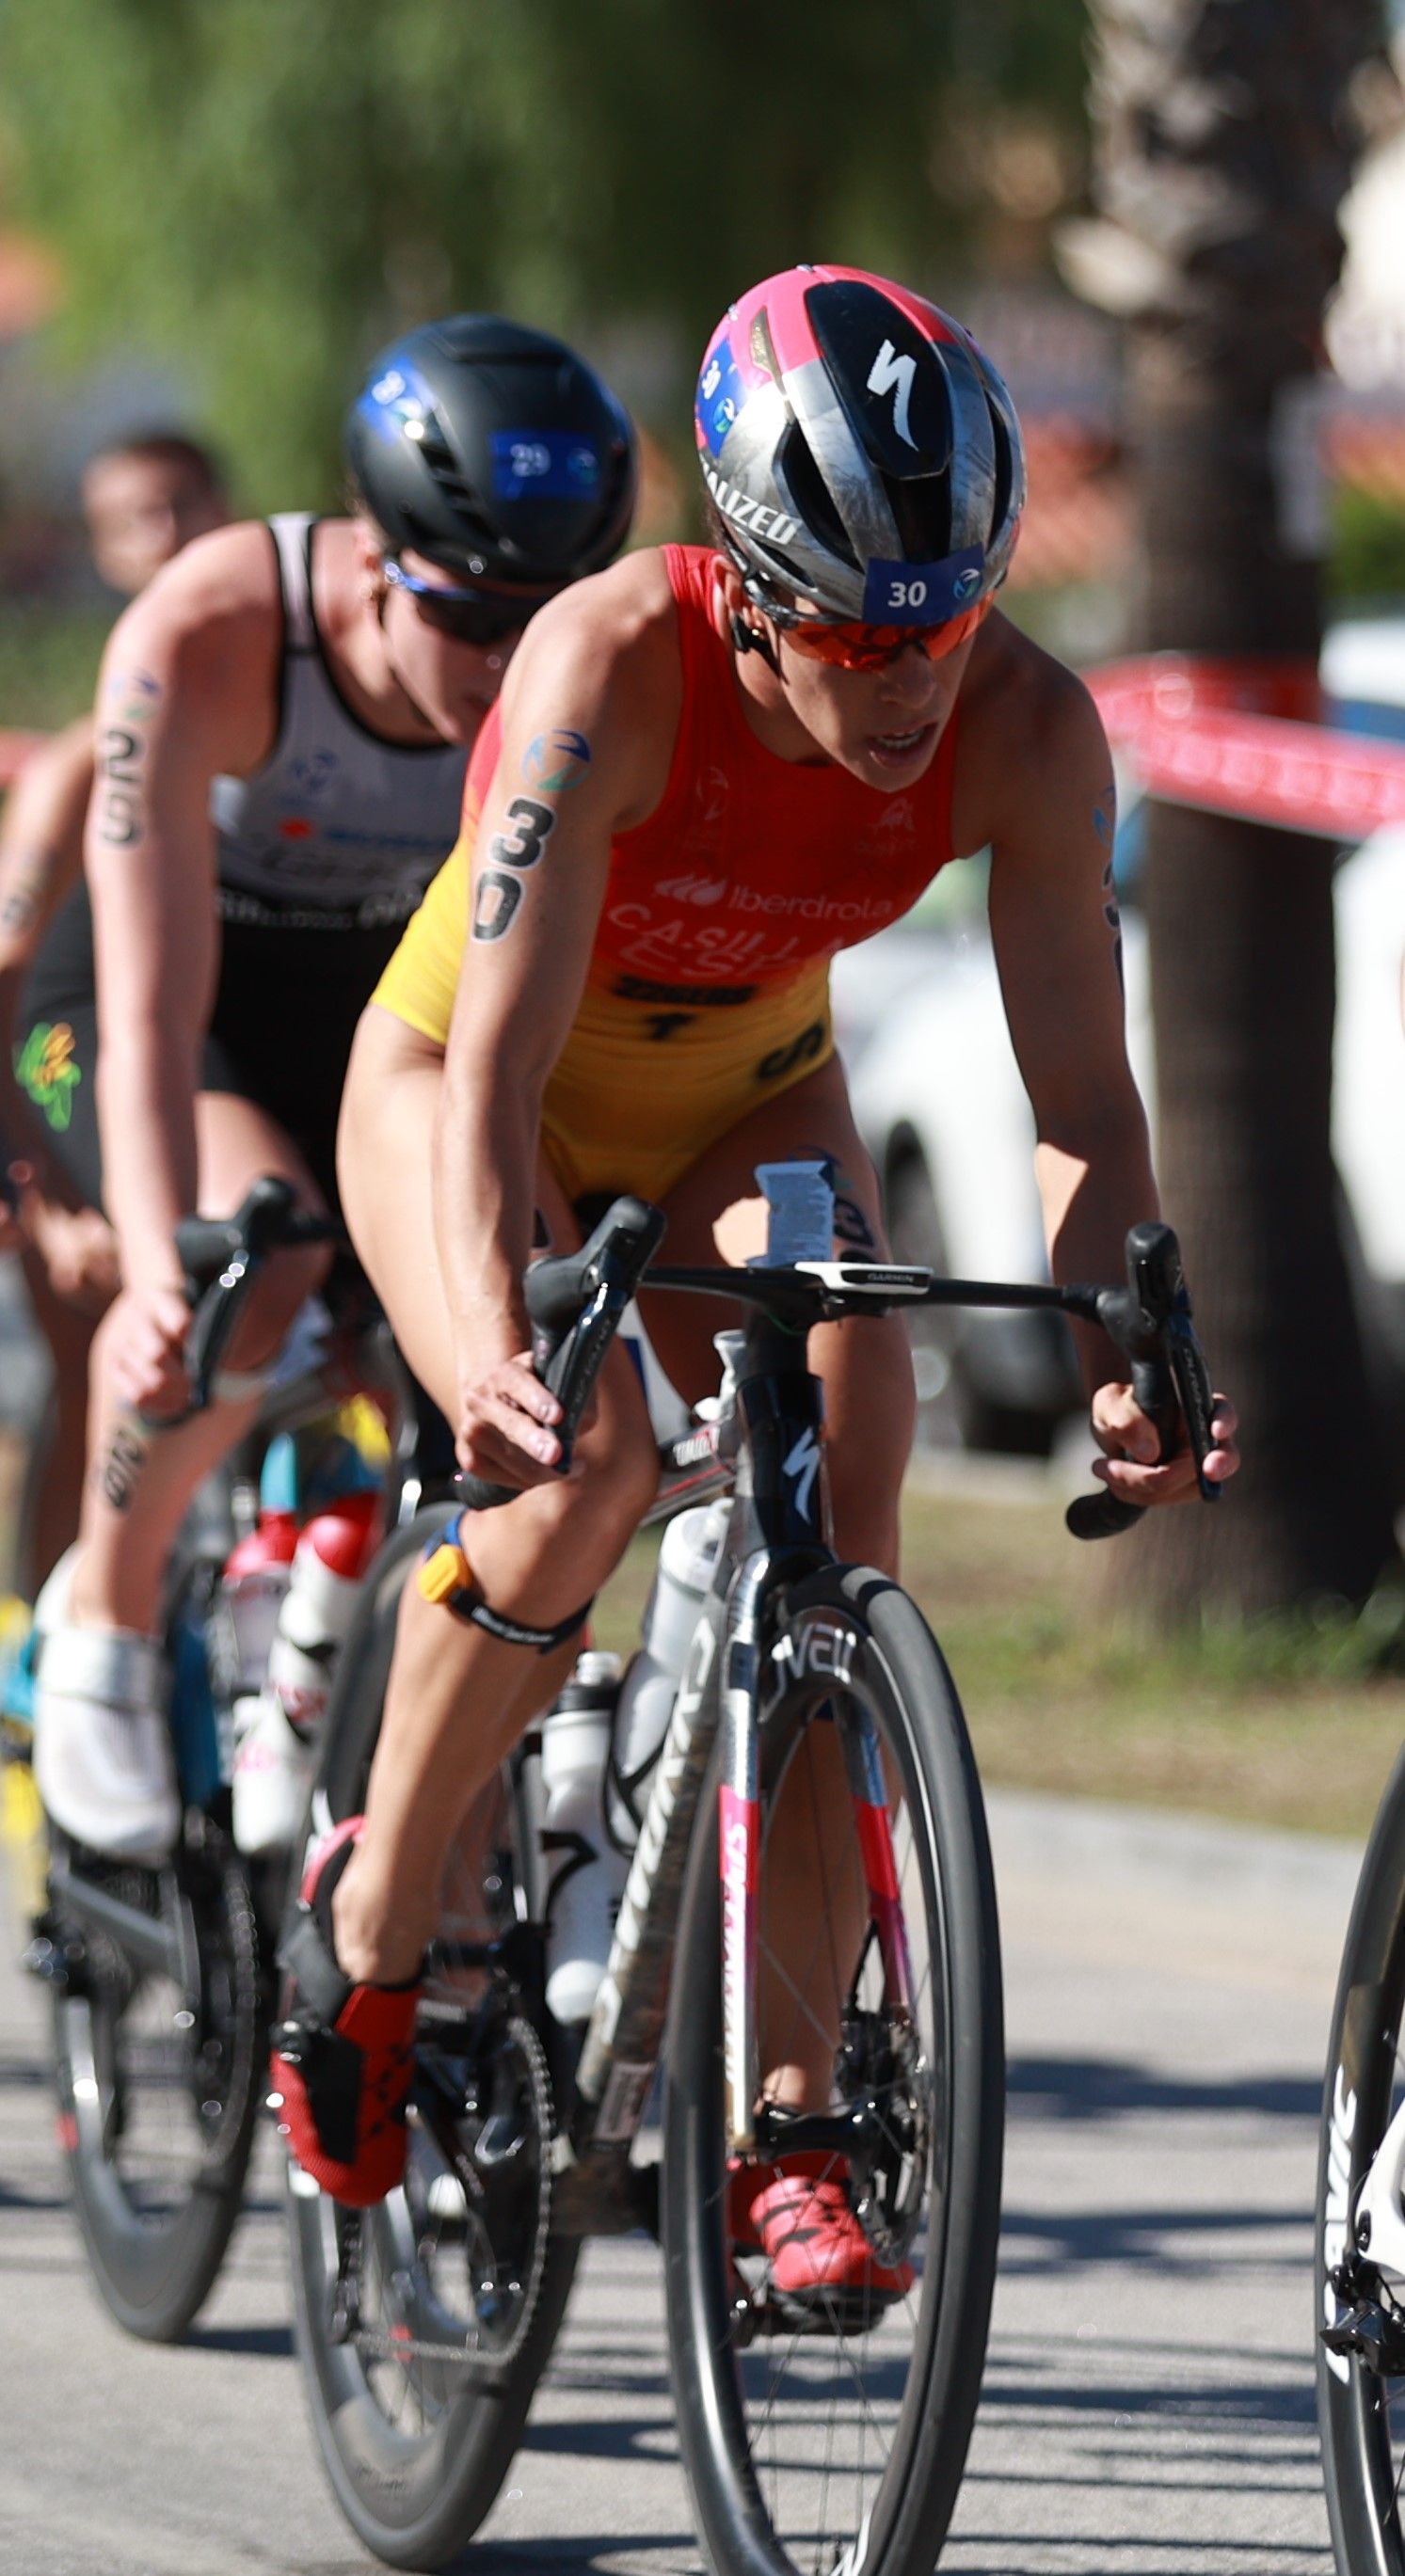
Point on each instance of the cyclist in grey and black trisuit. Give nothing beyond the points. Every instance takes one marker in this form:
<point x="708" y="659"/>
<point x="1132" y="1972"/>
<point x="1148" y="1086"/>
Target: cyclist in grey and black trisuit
<point x="282" y="725"/>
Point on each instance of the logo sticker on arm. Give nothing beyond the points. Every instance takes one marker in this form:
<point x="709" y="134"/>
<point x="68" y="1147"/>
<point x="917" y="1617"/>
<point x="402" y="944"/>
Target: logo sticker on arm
<point x="556" y="761"/>
<point x="922" y="594"/>
<point x="544" y="465"/>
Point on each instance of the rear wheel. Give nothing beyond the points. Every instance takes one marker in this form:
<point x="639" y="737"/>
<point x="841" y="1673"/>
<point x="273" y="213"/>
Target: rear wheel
<point x="830" y="2431"/>
<point x="423" y="2325"/>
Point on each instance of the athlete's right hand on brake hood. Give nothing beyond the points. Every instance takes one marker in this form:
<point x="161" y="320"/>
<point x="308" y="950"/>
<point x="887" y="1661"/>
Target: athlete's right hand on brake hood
<point x="147" y="1329"/>
<point x="506" y="1417"/>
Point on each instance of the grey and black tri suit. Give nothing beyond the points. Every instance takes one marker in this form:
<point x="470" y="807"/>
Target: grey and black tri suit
<point x="321" y="857"/>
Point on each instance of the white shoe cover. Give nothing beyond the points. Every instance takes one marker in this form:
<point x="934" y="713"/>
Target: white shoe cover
<point x="103" y="1761"/>
<point x="273" y="1768"/>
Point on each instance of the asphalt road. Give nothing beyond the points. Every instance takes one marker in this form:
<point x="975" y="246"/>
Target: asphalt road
<point x="1148" y="2404"/>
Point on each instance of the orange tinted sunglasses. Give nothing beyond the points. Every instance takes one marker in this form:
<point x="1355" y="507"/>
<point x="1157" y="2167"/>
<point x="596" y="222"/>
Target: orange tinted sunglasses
<point x="870" y="648"/>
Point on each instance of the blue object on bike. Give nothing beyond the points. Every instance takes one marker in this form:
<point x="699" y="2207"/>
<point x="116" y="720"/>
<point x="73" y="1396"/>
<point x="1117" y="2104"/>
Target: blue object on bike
<point x="278" y="1477"/>
<point x="194" y="1725"/>
<point x="17" y="1684"/>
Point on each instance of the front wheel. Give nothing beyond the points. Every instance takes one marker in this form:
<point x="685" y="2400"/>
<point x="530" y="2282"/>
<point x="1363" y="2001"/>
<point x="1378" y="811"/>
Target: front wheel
<point x="424" y="2324"/>
<point x="159" y="2077"/>
<point x="828" y="2431"/>
<point x="1360" y="2289"/>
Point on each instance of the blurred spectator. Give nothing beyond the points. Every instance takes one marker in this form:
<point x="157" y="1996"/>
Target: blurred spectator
<point x="143" y="499"/>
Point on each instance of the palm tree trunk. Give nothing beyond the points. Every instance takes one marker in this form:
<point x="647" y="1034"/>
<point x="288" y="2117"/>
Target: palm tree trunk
<point x="1223" y="153"/>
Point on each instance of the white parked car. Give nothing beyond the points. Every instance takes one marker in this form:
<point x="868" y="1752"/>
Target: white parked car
<point x="943" y="1111"/>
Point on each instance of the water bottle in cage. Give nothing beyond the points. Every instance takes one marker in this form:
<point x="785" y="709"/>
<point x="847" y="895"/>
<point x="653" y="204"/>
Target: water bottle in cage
<point x="687" y="1560"/>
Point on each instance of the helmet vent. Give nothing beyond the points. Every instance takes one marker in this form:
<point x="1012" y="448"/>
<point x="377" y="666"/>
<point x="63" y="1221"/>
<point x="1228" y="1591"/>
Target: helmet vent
<point x="800" y="477"/>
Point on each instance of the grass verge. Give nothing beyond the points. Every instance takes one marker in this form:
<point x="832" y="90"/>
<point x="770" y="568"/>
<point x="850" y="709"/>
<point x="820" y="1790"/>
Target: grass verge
<point x="1276" y="1724"/>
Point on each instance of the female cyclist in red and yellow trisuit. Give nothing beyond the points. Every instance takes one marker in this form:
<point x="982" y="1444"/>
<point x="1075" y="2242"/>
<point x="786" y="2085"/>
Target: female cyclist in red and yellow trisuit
<point x="707" y="989"/>
<point x="713" y="769"/>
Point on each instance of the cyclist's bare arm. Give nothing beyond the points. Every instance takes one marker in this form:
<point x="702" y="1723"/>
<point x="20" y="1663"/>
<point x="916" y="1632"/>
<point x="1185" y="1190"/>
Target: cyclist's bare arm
<point x="1057" y="940"/>
<point x="589" y="675"/>
<point x="41" y="858"/>
<point x="187" y="690"/>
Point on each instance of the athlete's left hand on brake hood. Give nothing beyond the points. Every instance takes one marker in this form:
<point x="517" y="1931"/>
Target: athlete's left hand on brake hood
<point x="1131" y="1444"/>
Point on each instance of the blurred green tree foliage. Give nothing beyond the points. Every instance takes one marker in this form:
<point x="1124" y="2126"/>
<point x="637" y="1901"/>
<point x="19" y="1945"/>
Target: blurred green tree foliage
<point x="270" y="188"/>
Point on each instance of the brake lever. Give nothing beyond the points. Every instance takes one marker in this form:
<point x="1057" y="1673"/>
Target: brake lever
<point x="1150" y="1320"/>
<point x="570" y="1339"/>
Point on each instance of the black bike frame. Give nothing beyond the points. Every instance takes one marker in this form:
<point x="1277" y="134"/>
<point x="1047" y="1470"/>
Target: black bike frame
<point x="779" y="1531"/>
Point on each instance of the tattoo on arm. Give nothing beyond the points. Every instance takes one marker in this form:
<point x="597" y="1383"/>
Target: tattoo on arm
<point x="122" y="748"/>
<point x="1104" y="819"/>
<point x="22" y="899"/>
<point x="553" y="762"/>
<point x="533" y="823"/>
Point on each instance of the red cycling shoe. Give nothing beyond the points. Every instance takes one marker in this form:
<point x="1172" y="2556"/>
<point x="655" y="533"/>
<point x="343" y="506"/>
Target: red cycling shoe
<point x="341" y="2062"/>
<point x="821" y="2264"/>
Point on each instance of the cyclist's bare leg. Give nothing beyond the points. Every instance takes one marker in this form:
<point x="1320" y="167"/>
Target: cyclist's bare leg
<point x="717" y="1211"/>
<point x="55" y="1485"/>
<point x="118" y="1580"/>
<point x="457" y="1698"/>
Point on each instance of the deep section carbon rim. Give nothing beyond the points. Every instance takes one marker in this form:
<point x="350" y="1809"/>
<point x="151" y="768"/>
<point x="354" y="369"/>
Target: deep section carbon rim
<point x="1361" y="2408"/>
<point x="825" y="2425"/>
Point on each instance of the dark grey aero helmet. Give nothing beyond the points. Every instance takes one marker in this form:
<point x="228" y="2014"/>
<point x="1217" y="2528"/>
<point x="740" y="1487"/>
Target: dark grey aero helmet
<point x="495" y="451"/>
<point x="860" y="450"/>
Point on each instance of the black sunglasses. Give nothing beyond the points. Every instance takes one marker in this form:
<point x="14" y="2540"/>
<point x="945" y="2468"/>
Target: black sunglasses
<point x="470" y="616"/>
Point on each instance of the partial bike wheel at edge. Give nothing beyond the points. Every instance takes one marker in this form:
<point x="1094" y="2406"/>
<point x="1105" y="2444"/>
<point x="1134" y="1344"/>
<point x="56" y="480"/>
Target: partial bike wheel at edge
<point x="160" y="2071"/>
<point x="424" y="2325"/>
<point x="821" y="2432"/>
<point x="1361" y="2391"/>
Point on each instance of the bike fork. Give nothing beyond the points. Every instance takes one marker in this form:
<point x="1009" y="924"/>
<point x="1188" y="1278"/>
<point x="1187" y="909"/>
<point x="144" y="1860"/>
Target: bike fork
<point x="739" y="1863"/>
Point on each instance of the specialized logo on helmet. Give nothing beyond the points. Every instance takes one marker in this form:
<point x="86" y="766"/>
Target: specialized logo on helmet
<point x="773" y="525"/>
<point x="893" y="373"/>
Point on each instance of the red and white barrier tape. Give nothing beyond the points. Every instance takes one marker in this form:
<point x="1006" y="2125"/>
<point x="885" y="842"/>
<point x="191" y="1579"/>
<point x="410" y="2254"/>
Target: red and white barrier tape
<point x="1195" y="732"/>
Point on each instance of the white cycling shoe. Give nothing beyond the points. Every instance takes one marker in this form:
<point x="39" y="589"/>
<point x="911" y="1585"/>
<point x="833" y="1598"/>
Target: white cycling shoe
<point x="103" y="1762"/>
<point x="273" y="1773"/>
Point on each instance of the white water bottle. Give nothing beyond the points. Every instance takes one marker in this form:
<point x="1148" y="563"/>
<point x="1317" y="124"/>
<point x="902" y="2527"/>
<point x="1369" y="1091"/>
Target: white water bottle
<point x="687" y="1559"/>
<point x="324" y="1585"/>
<point x="276" y="1729"/>
<point x="585" y="1875"/>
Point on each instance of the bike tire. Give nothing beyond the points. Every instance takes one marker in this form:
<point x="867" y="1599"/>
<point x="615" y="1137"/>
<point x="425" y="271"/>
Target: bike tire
<point x="157" y="2206"/>
<point x="754" y="2510"/>
<point x="1361" y="2413"/>
<point x="414" y="2498"/>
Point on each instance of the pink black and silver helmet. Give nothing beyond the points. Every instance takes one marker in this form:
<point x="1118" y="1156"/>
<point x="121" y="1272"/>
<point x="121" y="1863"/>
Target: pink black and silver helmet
<point x="860" y="450"/>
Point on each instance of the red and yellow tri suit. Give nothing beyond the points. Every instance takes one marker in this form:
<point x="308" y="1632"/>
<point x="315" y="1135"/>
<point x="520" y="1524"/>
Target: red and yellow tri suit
<point x="708" y="986"/>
